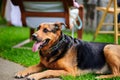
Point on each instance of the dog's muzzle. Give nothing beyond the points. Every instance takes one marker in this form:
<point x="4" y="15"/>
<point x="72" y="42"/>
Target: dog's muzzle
<point x="34" y="37"/>
<point x="39" y="43"/>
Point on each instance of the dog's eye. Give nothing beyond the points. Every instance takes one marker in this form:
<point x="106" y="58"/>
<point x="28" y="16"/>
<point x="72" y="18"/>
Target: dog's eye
<point x="45" y="30"/>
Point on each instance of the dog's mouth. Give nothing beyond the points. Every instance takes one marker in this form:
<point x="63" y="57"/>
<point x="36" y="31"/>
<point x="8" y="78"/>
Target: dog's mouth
<point x="39" y="44"/>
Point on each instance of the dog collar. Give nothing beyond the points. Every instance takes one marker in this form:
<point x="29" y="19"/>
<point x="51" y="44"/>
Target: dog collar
<point x="57" y="45"/>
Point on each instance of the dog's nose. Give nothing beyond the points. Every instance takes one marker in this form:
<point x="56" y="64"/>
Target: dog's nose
<point x="34" y="37"/>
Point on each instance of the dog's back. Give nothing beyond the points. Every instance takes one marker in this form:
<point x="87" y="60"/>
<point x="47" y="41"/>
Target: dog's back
<point x="90" y="55"/>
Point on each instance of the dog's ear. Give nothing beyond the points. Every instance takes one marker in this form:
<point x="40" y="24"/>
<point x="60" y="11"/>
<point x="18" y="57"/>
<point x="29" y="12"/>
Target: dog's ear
<point x="63" y="24"/>
<point x="56" y="28"/>
<point x="59" y="25"/>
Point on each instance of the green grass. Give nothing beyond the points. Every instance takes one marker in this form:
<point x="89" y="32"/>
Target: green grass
<point x="10" y="36"/>
<point x="2" y="21"/>
<point x="89" y="76"/>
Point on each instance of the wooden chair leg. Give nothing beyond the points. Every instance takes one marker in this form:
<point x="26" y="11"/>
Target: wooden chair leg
<point x="79" y="32"/>
<point x="3" y="7"/>
<point x="81" y="14"/>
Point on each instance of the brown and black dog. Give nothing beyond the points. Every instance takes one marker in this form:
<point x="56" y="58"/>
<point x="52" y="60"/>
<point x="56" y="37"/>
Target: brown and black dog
<point x="64" y="55"/>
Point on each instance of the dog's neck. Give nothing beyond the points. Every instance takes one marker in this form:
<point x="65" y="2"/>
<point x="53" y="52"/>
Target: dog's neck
<point x="56" y="44"/>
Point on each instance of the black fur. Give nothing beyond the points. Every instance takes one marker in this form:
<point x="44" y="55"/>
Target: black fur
<point x="90" y="55"/>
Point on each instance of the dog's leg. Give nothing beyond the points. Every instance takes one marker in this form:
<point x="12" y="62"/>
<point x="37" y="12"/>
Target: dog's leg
<point x="112" y="55"/>
<point x="28" y="71"/>
<point x="47" y="74"/>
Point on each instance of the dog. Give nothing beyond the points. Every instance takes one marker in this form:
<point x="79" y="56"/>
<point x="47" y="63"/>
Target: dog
<point x="63" y="55"/>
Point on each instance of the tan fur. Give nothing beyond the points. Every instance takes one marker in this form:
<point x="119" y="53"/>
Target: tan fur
<point x="112" y="55"/>
<point x="68" y="64"/>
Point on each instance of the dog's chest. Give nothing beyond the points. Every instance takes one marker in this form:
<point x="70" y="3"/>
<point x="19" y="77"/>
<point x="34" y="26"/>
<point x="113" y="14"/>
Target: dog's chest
<point x="49" y="64"/>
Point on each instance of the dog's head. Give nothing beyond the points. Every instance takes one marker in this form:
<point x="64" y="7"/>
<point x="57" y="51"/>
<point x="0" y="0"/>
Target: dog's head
<point x="46" y="35"/>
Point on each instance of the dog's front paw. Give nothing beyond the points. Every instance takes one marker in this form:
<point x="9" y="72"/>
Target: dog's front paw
<point x="21" y="74"/>
<point x="33" y="77"/>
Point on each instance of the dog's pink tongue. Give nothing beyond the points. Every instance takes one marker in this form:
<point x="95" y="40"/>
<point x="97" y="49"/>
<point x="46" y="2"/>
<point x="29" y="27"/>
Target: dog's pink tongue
<point x="35" y="46"/>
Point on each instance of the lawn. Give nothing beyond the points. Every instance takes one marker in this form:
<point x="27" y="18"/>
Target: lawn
<point x="10" y="36"/>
